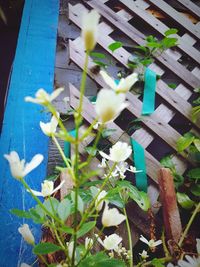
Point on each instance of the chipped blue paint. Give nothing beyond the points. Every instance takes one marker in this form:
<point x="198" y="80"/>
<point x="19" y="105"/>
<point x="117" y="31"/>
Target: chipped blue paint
<point x="33" y="68"/>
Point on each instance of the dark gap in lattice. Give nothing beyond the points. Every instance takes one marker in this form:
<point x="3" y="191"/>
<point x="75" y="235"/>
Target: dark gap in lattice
<point x="169" y="73"/>
<point x="119" y="35"/>
<point x="197" y="45"/>
<point x="193" y="97"/>
<point x="168" y="21"/>
<point x="126" y="122"/>
<point x="170" y="78"/>
<point x="114" y="5"/>
<point x="180" y="123"/>
<point x="187" y="62"/>
<point x="144" y="27"/>
<point x="196" y="2"/>
<point x="159" y="148"/>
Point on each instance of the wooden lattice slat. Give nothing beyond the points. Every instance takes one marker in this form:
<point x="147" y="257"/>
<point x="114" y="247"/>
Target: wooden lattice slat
<point x="191" y="6"/>
<point x="122" y="56"/>
<point x="176" y="16"/>
<point x="161" y="28"/>
<point x="139" y="38"/>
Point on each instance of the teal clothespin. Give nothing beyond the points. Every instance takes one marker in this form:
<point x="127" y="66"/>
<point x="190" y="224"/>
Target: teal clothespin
<point x="149" y="92"/>
<point x="139" y="161"/>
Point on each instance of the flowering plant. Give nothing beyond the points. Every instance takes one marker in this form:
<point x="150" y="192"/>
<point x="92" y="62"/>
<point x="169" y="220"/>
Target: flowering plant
<point x="91" y="207"/>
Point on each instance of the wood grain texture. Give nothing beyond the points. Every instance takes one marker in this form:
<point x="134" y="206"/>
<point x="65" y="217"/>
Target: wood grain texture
<point x="191" y="6"/>
<point x="176" y="16"/>
<point x="161" y="28"/>
<point x="170" y="209"/>
<point x="33" y="68"/>
<point x="139" y="38"/>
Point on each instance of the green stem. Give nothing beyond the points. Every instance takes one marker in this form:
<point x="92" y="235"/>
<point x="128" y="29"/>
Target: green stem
<point x="39" y="202"/>
<point x="78" y="120"/>
<point x="87" y="212"/>
<point x="180" y="243"/>
<point x="61" y="151"/>
<point x="129" y="238"/>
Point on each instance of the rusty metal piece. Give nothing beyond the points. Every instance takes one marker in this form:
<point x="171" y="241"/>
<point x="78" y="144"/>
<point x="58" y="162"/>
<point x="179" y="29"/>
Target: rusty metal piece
<point x="171" y="214"/>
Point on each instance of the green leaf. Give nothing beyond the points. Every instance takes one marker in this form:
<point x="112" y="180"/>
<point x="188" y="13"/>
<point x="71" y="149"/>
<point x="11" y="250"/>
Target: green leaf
<point x="194" y="173"/>
<point x="97" y="55"/>
<point x="158" y="262"/>
<point x="51" y="205"/>
<point x="195" y="113"/>
<point x="170" y="31"/>
<point x="101" y="260"/>
<point x="178" y="179"/>
<point x="45" y="248"/>
<point x="184" y="201"/>
<point x="169" y="42"/>
<point x="140" y="197"/>
<point x="100" y="63"/>
<point x="197" y="144"/>
<point x="91" y="150"/>
<point x="195" y="190"/>
<point x="35" y="216"/>
<point x="185" y="141"/>
<point x="21" y="213"/>
<point x="114" y="46"/>
<point x="64" y="209"/>
<point x="80" y="202"/>
<point x="108" y="132"/>
<point x="154" y="44"/>
<point x="67" y="229"/>
<point x="168" y="163"/>
<point x="86" y="228"/>
<point x="172" y="85"/>
<point x="146" y="62"/>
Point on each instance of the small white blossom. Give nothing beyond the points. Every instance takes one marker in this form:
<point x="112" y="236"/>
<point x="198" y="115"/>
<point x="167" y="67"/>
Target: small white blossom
<point x="122" y="168"/>
<point x="109" y="105"/>
<point x="133" y="169"/>
<point x="198" y="245"/>
<point x="25" y="265"/>
<point x="47" y="189"/>
<point x="124" y="84"/>
<point x="144" y="254"/>
<point x="88" y="243"/>
<point x="49" y="128"/>
<point x="18" y="167"/>
<point x="102" y="164"/>
<point x="112" y="217"/>
<point x="191" y="262"/>
<point x="118" y="152"/>
<point x="26" y="233"/>
<point x="110" y="242"/>
<point x="90" y="29"/>
<point x="42" y="97"/>
<point x="100" y="200"/>
<point x="151" y="243"/>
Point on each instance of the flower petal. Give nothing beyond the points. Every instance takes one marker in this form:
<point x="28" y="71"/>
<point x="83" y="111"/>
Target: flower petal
<point x="110" y="82"/>
<point x="36" y="160"/>
<point x="56" y="93"/>
<point x="58" y="187"/>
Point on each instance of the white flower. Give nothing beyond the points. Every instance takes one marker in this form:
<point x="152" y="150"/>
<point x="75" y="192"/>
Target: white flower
<point x="191" y="262"/>
<point x="47" y="189"/>
<point x="133" y="169"/>
<point x="25" y="265"/>
<point x="144" y="254"/>
<point x="102" y="164"/>
<point x="151" y="243"/>
<point x="25" y="231"/>
<point x="88" y="243"/>
<point x="121" y="168"/>
<point x="110" y="242"/>
<point x="18" y="167"/>
<point x="112" y="217"/>
<point x="90" y="29"/>
<point x="70" y="249"/>
<point x="109" y="105"/>
<point x="118" y="152"/>
<point x="100" y="200"/>
<point x="124" y="84"/>
<point x="42" y="97"/>
<point x="49" y="128"/>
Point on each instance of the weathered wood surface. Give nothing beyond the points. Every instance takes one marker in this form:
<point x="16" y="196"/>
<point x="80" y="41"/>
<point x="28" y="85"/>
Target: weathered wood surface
<point x="33" y="68"/>
<point x="161" y="28"/>
<point x="176" y="16"/>
<point x="139" y="38"/>
<point x="191" y="6"/>
<point x="171" y="216"/>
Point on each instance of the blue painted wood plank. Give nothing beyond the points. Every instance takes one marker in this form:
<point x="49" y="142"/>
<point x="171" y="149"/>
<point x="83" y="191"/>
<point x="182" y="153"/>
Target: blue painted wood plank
<point x="33" y="68"/>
